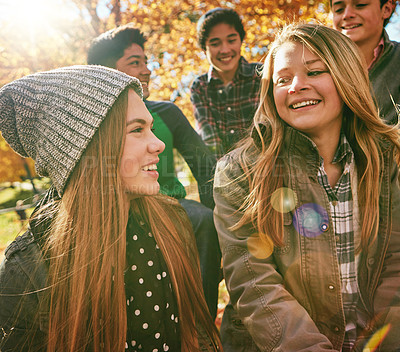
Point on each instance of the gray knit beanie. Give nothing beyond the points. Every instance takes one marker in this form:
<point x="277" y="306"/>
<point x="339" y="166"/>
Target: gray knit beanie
<point x="52" y="116"/>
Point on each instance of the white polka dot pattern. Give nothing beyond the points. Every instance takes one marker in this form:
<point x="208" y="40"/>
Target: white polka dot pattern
<point x="152" y="312"/>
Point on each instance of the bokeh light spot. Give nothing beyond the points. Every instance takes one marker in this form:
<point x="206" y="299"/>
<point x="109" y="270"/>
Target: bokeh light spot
<point x="283" y="200"/>
<point x="260" y="248"/>
<point x="377" y="338"/>
<point x="311" y="220"/>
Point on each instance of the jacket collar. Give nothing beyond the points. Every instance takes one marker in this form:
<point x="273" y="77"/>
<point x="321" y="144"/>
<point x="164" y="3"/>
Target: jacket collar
<point x="293" y="139"/>
<point x="297" y="143"/>
<point x="387" y="42"/>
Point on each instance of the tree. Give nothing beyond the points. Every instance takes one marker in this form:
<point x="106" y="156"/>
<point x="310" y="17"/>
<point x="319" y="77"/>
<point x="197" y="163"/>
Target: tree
<point x="65" y="29"/>
<point x="172" y="36"/>
<point x="13" y="166"/>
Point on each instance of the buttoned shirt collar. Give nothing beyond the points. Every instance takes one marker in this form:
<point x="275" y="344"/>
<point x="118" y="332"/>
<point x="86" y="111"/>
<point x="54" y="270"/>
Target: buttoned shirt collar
<point x="377" y="53"/>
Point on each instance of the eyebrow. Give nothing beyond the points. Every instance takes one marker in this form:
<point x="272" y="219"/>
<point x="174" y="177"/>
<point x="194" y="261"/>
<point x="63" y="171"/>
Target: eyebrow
<point x="137" y="57"/>
<point x="309" y="62"/>
<point x="337" y="2"/>
<point x="141" y="121"/>
<point x="312" y="61"/>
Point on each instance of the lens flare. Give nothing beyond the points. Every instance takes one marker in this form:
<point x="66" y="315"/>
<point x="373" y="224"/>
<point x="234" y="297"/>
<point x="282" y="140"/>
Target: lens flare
<point x="311" y="220"/>
<point x="377" y="338"/>
<point x="283" y="200"/>
<point x="260" y="248"/>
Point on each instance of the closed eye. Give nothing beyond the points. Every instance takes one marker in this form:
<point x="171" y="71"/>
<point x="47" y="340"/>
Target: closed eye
<point x="136" y="130"/>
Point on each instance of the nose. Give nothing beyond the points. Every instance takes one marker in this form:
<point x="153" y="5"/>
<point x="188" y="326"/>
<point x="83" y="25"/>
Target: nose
<point x="156" y="146"/>
<point x="348" y="12"/>
<point x="225" y="48"/>
<point x="298" y="84"/>
<point x="145" y="70"/>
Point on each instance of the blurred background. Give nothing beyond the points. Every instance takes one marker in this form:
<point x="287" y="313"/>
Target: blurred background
<point x="37" y="35"/>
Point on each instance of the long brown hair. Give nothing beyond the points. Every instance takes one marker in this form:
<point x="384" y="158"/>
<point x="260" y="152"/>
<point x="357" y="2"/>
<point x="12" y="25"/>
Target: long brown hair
<point x="86" y="251"/>
<point x="362" y="126"/>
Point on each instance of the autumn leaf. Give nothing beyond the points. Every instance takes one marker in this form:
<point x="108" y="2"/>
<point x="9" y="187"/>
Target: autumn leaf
<point x="62" y="37"/>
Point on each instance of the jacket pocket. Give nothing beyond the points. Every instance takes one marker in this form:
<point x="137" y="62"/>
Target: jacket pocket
<point x="234" y="335"/>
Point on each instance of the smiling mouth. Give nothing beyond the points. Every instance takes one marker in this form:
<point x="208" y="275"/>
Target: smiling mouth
<point x="226" y="59"/>
<point x="351" y="27"/>
<point x="302" y="104"/>
<point x="151" y="167"/>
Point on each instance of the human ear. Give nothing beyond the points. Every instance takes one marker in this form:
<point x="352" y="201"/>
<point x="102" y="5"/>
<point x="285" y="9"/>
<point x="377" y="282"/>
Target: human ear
<point x="387" y="9"/>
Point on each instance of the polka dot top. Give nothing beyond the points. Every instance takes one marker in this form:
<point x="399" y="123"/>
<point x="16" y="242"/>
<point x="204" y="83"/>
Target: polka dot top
<point x="152" y="311"/>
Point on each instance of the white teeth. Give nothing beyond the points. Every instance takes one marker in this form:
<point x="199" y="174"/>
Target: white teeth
<point x="351" y="27"/>
<point x="151" y="167"/>
<point x="304" y="103"/>
<point x="225" y="59"/>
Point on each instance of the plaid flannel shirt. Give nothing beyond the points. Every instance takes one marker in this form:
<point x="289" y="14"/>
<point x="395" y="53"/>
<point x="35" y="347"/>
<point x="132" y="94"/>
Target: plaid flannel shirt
<point x="224" y="113"/>
<point x="341" y="210"/>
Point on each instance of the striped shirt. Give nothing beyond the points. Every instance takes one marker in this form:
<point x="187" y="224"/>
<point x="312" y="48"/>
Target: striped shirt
<point x="341" y="210"/>
<point x="224" y="113"/>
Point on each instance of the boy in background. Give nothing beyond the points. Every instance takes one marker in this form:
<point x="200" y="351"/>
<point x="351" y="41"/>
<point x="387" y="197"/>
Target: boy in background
<point x="226" y="98"/>
<point x="364" y="22"/>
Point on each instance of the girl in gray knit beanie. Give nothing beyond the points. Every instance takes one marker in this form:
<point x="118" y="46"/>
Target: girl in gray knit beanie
<point x="107" y="264"/>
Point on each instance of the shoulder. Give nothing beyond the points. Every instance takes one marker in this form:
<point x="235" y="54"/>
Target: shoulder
<point x="228" y="168"/>
<point x="24" y="245"/>
<point x="163" y="107"/>
<point x="154" y="104"/>
<point x="395" y="49"/>
<point x="170" y="114"/>
<point x="251" y="68"/>
<point x="391" y="45"/>
<point x="255" y="65"/>
<point x="231" y="183"/>
<point x="23" y="258"/>
<point x="200" y="81"/>
<point x="23" y="277"/>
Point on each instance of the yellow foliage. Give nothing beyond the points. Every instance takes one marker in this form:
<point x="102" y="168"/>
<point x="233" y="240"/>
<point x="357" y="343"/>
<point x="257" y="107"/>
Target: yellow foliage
<point x="12" y="165"/>
<point x="170" y="26"/>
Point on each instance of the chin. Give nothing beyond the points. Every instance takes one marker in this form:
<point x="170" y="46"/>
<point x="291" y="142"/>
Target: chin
<point x="146" y="93"/>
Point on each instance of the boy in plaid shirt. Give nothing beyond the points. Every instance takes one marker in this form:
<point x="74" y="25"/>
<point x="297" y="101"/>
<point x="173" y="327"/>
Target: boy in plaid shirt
<point x="224" y="99"/>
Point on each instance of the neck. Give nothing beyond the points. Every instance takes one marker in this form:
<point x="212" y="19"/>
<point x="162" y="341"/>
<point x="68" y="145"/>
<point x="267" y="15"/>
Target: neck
<point x="327" y="143"/>
<point x="327" y="148"/>
<point x="227" y="76"/>
<point x="367" y="48"/>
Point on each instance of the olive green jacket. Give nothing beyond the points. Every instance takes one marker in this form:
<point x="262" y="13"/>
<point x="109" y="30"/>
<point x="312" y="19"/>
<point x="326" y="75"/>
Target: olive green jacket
<point x="385" y="79"/>
<point x="290" y="299"/>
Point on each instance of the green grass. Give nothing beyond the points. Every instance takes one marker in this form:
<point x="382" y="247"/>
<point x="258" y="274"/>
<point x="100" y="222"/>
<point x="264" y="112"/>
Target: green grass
<point x="10" y="227"/>
<point x="9" y="196"/>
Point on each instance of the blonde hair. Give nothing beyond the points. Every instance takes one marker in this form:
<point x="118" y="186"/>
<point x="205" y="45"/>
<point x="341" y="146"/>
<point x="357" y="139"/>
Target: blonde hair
<point x="264" y="165"/>
<point x="86" y="251"/>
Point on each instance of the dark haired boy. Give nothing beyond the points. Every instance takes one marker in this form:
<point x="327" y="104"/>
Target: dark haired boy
<point x="123" y="49"/>
<point x="226" y="98"/>
<point x="364" y="22"/>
